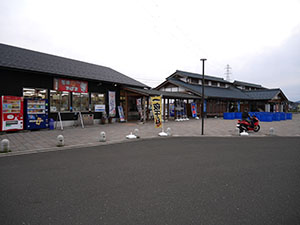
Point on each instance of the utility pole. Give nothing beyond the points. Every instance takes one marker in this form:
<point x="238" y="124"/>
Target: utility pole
<point x="202" y="105"/>
<point x="227" y="73"/>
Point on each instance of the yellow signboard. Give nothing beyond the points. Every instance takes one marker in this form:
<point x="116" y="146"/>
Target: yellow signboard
<point x="156" y="108"/>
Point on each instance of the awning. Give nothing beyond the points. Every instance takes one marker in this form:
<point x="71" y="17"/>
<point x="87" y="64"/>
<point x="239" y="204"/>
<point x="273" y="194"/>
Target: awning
<point x="165" y="94"/>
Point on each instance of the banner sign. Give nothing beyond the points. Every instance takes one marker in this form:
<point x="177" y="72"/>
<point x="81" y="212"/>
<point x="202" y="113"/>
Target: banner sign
<point x="194" y="109"/>
<point x="172" y="110"/>
<point x="121" y="113"/>
<point x="99" y="108"/>
<point x="204" y="107"/>
<point x="112" y="103"/>
<point x="139" y="106"/>
<point x="156" y="108"/>
<point x="70" y="85"/>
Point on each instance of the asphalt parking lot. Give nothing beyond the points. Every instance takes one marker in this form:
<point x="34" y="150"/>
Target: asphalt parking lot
<point x="177" y="180"/>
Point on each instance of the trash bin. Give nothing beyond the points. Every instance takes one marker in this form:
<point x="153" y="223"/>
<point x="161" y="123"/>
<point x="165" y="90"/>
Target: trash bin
<point x="238" y="115"/>
<point x="51" y="124"/>
<point x="289" y="116"/>
<point x="228" y="116"/>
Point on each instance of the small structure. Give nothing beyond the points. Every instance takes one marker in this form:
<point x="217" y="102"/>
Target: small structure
<point x="272" y="131"/>
<point x="60" y="140"/>
<point x="136" y="133"/>
<point x="5" y="145"/>
<point x="102" y="137"/>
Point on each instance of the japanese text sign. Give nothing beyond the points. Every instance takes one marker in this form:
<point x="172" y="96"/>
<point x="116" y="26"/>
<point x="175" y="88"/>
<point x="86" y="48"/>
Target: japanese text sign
<point x="194" y="109"/>
<point x="112" y="103"/>
<point x="70" y="85"/>
<point x="156" y="108"/>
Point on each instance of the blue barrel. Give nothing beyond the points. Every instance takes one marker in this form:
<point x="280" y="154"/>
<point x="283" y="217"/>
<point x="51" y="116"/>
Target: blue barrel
<point x="252" y="113"/>
<point x="289" y="116"/>
<point x="266" y="117"/>
<point x="258" y="115"/>
<point x="276" y="116"/>
<point x="228" y="116"/>
<point x="51" y="124"/>
<point x="238" y="115"/>
<point x="269" y="117"/>
<point x="282" y="116"/>
<point x="261" y="116"/>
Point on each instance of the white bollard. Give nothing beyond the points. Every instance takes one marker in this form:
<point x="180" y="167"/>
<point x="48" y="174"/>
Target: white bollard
<point x="136" y="133"/>
<point x="5" y="145"/>
<point x="60" y="141"/>
<point x="237" y="131"/>
<point x="272" y="131"/>
<point x="169" y="131"/>
<point x="102" y="137"/>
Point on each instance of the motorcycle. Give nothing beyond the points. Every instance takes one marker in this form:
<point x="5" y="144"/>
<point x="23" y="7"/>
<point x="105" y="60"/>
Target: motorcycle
<point x="245" y="125"/>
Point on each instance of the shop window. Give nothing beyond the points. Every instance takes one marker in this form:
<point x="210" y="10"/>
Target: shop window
<point x="194" y="80"/>
<point x="59" y="101"/>
<point x="80" y="102"/>
<point x="214" y="83"/>
<point x="35" y="93"/>
<point x="97" y="99"/>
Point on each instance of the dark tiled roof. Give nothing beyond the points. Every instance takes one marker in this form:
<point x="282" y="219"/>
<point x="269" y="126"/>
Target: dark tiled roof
<point x="265" y="94"/>
<point x="167" y="94"/>
<point x="240" y="83"/>
<point x="199" y="76"/>
<point x="19" y="58"/>
<point x="212" y="92"/>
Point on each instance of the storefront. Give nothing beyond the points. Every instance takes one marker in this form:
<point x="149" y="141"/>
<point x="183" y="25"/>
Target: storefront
<point x="137" y="103"/>
<point x="69" y="86"/>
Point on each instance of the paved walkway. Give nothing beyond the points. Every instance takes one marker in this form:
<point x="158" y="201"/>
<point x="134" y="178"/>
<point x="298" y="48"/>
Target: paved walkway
<point x="45" y="140"/>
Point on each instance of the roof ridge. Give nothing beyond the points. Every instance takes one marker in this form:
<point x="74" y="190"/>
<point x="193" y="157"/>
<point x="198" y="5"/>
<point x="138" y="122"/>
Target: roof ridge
<point x="205" y="75"/>
<point x="52" y="55"/>
<point x="261" y="90"/>
<point x="32" y="60"/>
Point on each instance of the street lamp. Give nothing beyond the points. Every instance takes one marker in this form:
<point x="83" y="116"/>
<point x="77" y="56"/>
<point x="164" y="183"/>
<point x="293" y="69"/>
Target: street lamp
<point x="202" y="105"/>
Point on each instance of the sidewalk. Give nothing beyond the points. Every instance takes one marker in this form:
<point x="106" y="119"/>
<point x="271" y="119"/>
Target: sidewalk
<point x="45" y="140"/>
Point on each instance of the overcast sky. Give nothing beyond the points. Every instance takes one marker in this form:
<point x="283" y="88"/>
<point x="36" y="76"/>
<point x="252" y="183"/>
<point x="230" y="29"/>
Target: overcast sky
<point x="150" y="40"/>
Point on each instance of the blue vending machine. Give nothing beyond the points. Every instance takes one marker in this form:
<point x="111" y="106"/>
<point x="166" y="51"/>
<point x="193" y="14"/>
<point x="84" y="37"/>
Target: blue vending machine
<point x="36" y="114"/>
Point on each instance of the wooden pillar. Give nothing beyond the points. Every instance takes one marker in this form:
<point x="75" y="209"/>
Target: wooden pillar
<point x="164" y="108"/>
<point x="175" y="112"/>
<point x="148" y="107"/>
<point x="168" y="109"/>
<point x="145" y="108"/>
<point x="126" y="106"/>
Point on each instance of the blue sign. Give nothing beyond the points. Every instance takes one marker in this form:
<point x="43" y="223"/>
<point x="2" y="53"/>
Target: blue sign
<point x="172" y="110"/>
<point x="194" y="109"/>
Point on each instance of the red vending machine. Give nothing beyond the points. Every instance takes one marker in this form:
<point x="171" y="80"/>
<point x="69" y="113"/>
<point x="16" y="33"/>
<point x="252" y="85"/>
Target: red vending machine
<point x="11" y="113"/>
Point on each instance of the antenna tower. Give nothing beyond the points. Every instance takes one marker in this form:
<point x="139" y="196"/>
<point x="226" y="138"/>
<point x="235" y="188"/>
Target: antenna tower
<point x="228" y="72"/>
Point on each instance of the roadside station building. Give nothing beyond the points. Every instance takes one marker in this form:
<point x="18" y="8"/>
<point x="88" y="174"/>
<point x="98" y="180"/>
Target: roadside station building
<point x="73" y="86"/>
<point x="224" y="96"/>
<point x="69" y="85"/>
